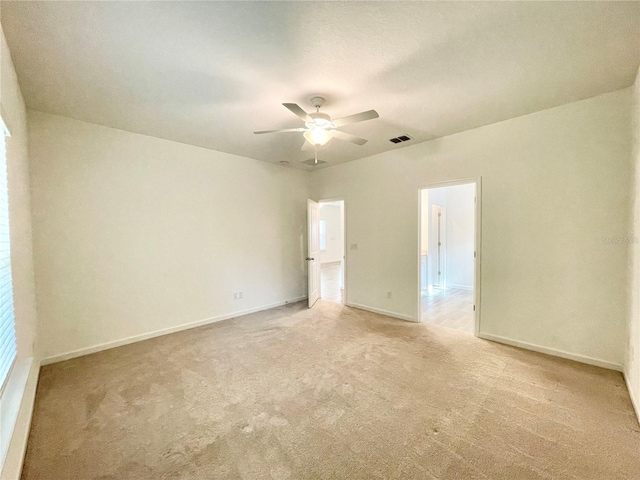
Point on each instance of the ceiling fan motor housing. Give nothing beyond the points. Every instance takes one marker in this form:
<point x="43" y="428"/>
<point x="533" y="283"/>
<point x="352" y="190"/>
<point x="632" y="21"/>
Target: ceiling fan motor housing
<point x="321" y="120"/>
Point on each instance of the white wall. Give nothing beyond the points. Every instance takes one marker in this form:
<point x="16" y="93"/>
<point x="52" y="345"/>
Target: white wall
<point x="334" y="242"/>
<point x="14" y="115"/>
<point x="17" y="399"/>
<point x="459" y="217"/>
<point x="134" y="234"/>
<point x="632" y="360"/>
<point x="554" y="187"/>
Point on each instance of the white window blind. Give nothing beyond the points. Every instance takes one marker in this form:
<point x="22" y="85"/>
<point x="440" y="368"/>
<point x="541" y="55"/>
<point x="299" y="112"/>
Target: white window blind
<point x="7" y="319"/>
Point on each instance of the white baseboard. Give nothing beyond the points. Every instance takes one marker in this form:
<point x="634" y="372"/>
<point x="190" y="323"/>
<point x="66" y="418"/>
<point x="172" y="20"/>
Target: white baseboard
<point x="552" y="351"/>
<point x="460" y="287"/>
<point x="382" y="312"/>
<point x="632" y="395"/>
<point x="12" y="467"/>
<point x="165" y="331"/>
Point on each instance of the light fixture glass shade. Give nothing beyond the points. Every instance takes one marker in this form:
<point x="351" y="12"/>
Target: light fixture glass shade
<point x="318" y="136"/>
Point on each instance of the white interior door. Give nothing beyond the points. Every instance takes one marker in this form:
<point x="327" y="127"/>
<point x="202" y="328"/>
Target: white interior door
<point x="436" y="247"/>
<point x="313" y="255"/>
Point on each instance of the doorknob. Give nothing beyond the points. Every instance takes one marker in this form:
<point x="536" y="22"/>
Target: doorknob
<point x="308" y="259"/>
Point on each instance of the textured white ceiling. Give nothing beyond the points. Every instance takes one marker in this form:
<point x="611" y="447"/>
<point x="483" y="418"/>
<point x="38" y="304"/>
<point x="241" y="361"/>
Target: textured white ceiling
<point x="210" y="73"/>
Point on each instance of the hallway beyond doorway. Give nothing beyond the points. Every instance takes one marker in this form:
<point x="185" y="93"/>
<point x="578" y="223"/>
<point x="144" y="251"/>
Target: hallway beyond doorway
<point x="330" y="282"/>
<point x="447" y="255"/>
<point x="451" y="308"/>
<point x="332" y="250"/>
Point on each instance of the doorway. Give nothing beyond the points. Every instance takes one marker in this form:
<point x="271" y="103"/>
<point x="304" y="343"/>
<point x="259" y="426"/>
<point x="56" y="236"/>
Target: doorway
<point x="331" y="250"/>
<point x="448" y="256"/>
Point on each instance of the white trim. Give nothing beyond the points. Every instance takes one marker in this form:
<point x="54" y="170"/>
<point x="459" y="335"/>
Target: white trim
<point x="401" y="316"/>
<point x="13" y="462"/>
<point x="554" y="352"/>
<point x="451" y="183"/>
<point x="477" y="276"/>
<point x="634" y="400"/>
<point x="164" y="331"/>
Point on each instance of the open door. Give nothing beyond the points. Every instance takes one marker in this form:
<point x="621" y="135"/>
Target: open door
<point x="313" y="258"/>
<point x="437" y="234"/>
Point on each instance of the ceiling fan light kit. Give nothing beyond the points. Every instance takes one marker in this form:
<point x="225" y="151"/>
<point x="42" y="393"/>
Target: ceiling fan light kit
<point x="320" y="129"/>
<point x="318" y="136"/>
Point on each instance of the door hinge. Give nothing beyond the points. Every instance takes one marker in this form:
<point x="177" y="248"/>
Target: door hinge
<point x="474" y="254"/>
<point x="474" y="308"/>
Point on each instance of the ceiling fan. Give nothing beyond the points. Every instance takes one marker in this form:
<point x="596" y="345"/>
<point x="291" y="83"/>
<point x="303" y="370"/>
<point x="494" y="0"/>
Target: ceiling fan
<point x="320" y="129"/>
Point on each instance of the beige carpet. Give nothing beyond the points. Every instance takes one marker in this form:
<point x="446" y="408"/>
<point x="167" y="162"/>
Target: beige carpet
<point x="329" y="393"/>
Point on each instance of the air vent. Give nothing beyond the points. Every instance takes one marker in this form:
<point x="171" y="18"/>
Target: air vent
<point x="313" y="162"/>
<point x="400" y="139"/>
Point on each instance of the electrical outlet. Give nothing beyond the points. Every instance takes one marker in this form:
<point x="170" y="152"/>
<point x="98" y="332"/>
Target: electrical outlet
<point x="389" y="294"/>
<point x="241" y="295"/>
<point x="235" y="296"/>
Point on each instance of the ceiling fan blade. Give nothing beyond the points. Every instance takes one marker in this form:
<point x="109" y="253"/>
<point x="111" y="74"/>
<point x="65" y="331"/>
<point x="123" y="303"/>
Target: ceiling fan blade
<point x="347" y="137"/>
<point x="357" y="117"/>
<point x="304" y="116"/>
<point x="281" y="131"/>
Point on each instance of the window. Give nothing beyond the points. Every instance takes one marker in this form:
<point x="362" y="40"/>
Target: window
<point x="323" y="235"/>
<point x="7" y="319"/>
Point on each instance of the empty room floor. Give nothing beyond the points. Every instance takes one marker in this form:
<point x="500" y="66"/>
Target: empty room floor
<point x="332" y="392"/>
<point x="330" y="282"/>
<point x="451" y="308"/>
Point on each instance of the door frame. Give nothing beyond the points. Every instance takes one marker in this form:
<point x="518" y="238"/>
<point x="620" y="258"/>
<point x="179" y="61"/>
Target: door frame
<point x="344" y="239"/>
<point x="477" y="248"/>
<point x="313" y="263"/>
